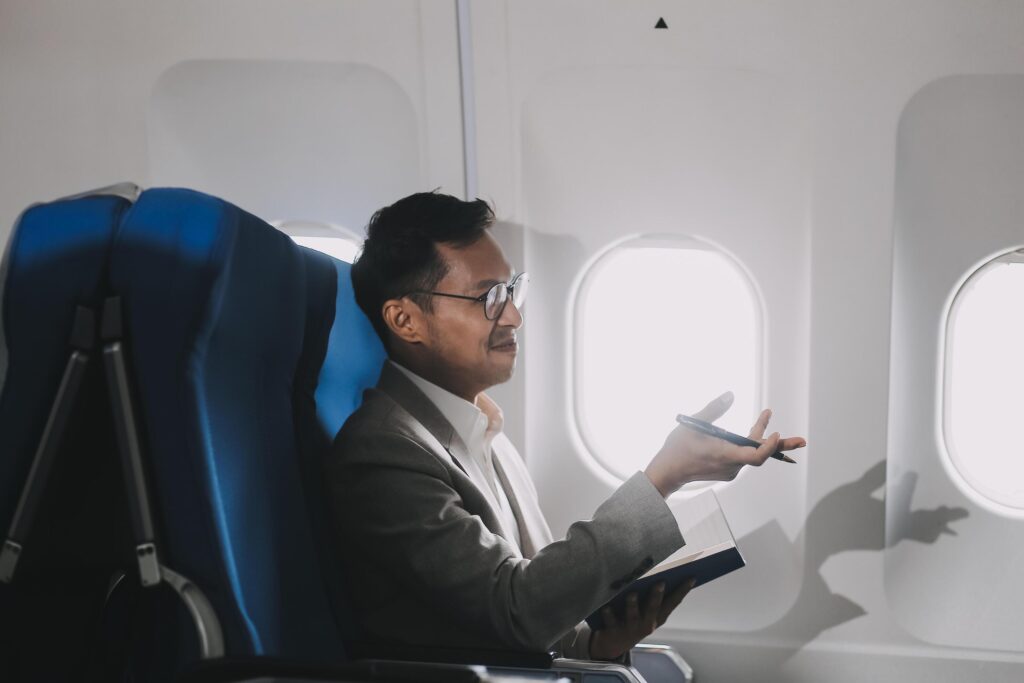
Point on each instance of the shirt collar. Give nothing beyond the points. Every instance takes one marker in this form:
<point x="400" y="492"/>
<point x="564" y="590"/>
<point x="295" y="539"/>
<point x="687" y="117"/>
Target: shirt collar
<point x="469" y="421"/>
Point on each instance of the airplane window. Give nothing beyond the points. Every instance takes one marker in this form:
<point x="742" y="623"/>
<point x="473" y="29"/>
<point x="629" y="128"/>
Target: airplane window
<point x="330" y="239"/>
<point x="984" y="373"/>
<point x="663" y="326"/>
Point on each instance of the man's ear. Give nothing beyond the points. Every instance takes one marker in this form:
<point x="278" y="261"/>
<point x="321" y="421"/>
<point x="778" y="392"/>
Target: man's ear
<point x="405" y="319"/>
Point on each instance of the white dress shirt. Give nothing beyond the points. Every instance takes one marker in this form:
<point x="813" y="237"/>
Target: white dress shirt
<point x="477" y="425"/>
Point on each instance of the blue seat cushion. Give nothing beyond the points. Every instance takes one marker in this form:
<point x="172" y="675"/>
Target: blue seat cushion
<point x="215" y="303"/>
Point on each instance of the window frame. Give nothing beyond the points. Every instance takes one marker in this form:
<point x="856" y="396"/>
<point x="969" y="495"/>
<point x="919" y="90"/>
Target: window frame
<point x="949" y="455"/>
<point x="584" y="281"/>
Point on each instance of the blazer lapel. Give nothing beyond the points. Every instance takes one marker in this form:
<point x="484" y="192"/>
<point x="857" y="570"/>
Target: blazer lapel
<point x="402" y="390"/>
<point x="526" y="541"/>
<point x="406" y="394"/>
<point x="534" y="534"/>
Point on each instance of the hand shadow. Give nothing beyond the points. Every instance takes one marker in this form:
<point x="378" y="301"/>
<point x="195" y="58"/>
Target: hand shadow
<point x="923" y="526"/>
<point x="850" y="518"/>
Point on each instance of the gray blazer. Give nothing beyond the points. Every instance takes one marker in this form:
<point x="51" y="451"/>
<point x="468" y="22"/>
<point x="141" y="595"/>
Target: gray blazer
<point x="426" y="558"/>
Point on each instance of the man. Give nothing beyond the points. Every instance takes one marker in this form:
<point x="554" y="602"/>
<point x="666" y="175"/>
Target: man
<point x="445" y="542"/>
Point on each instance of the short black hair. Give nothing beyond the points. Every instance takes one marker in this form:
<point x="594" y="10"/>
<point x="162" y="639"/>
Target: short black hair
<point x="399" y="255"/>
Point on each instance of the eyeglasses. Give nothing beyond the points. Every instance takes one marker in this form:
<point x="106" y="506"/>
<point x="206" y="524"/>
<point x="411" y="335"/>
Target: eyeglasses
<point x="495" y="298"/>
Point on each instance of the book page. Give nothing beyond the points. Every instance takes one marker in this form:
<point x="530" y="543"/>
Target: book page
<point x="703" y="526"/>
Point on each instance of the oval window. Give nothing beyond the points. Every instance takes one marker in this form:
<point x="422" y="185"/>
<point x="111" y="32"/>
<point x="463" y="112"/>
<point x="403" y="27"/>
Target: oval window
<point x="663" y="326"/>
<point x="984" y="372"/>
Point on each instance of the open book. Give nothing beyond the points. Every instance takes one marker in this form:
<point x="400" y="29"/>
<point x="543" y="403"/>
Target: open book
<point x="709" y="551"/>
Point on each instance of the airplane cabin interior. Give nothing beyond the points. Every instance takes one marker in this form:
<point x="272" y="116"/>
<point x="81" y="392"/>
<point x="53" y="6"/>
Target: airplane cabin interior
<point x="815" y="206"/>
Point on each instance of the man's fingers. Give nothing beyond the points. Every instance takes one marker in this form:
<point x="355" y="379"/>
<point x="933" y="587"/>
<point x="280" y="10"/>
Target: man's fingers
<point x="610" y="620"/>
<point x="791" y="443"/>
<point x="654" y="600"/>
<point x="716" y="408"/>
<point x="674" y="598"/>
<point x="770" y="445"/>
<point x="757" y="431"/>
<point x="653" y="607"/>
<point x="632" y="610"/>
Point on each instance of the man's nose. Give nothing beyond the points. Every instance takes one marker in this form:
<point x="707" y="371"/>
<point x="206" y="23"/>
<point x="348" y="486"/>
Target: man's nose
<point x="511" y="317"/>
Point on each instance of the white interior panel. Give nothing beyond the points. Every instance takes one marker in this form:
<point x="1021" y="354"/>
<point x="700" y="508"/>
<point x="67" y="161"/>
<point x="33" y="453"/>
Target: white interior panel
<point x="316" y="141"/>
<point x="611" y="153"/>
<point x="100" y="92"/>
<point x="958" y="203"/>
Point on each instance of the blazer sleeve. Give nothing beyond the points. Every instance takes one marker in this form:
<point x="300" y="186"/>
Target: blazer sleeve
<point x="394" y="496"/>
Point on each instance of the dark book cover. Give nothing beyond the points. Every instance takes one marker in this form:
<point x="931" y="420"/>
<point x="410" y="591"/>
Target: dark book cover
<point x="709" y="552"/>
<point x="706" y="568"/>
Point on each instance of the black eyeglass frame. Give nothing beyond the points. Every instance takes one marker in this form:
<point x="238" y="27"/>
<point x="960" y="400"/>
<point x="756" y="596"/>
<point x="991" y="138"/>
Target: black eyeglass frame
<point x="510" y="286"/>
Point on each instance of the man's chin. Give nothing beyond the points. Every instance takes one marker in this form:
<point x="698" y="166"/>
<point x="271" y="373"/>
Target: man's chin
<point x="503" y="372"/>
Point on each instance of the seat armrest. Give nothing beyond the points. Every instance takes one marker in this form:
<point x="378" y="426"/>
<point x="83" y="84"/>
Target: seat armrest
<point x="239" y="669"/>
<point x="446" y="655"/>
<point x="661" y="664"/>
<point x="652" y="663"/>
<point x="589" y="671"/>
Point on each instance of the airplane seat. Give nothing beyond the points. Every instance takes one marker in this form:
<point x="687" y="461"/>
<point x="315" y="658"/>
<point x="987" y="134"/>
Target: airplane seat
<point x="61" y="508"/>
<point x="214" y="309"/>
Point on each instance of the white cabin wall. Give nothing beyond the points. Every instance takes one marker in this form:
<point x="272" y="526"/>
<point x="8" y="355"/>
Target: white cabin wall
<point x="87" y="91"/>
<point x="958" y="202"/>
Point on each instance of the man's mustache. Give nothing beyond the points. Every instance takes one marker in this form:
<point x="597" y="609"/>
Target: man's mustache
<point x="501" y="340"/>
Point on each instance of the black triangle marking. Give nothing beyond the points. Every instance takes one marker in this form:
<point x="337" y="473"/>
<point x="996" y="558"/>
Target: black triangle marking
<point x="661" y="23"/>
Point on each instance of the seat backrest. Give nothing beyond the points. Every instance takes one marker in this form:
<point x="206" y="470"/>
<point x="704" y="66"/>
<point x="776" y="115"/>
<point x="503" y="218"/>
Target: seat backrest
<point x="56" y="260"/>
<point x="343" y="358"/>
<point x="228" y="323"/>
<point x="354" y="355"/>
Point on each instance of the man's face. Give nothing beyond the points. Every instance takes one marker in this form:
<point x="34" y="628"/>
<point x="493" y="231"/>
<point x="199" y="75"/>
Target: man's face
<point x="472" y="353"/>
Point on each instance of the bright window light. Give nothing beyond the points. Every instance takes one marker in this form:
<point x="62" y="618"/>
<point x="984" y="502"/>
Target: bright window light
<point x="662" y="328"/>
<point x="983" y="398"/>
<point x="341" y="248"/>
<point x="324" y="237"/>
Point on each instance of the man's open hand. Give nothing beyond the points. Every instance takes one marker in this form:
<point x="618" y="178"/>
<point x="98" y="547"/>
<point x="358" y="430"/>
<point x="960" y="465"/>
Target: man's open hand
<point x="691" y="456"/>
<point x="618" y="637"/>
